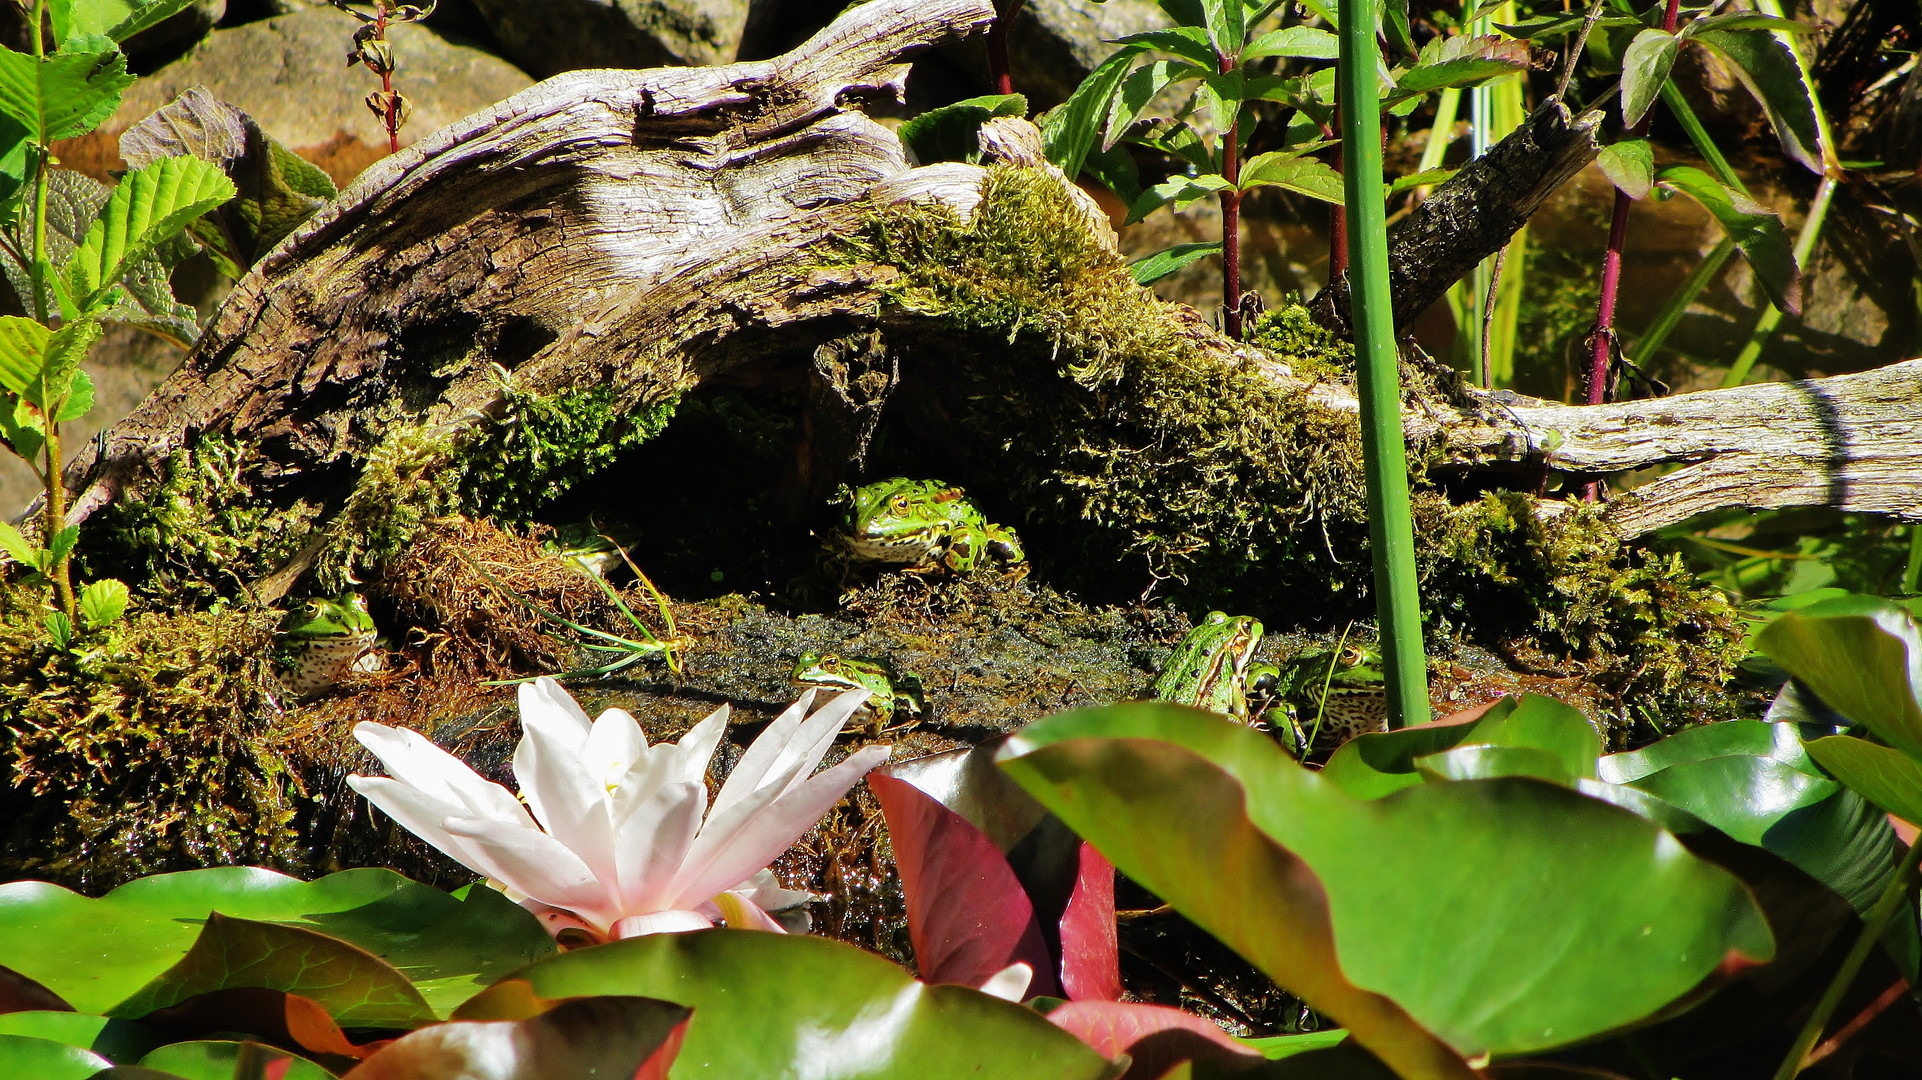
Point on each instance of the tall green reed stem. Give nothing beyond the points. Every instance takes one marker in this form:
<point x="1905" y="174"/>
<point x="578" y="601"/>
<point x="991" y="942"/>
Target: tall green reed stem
<point x="1384" y="455"/>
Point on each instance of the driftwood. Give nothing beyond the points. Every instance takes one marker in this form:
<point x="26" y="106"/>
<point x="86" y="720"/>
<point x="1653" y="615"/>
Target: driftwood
<point x="649" y="231"/>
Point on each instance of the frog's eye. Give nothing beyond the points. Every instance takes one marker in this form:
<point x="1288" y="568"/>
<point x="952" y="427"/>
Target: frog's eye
<point x="830" y="662"/>
<point x="1353" y="655"/>
<point x="899" y="504"/>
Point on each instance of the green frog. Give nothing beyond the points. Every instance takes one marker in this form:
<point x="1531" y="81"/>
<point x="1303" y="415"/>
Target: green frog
<point x="1356" y="700"/>
<point x="323" y="639"/>
<point x="926" y="525"/>
<point x="1212" y="668"/>
<point x="587" y="544"/>
<point x="891" y="691"/>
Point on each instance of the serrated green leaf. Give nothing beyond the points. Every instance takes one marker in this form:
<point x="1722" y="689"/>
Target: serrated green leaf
<point x="147" y="207"/>
<point x="1220" y="97"/>
<point x="23" y="428"/>
<point x="23" y="353"/>
<point x="1188" y="42"/>
<point x="1226" y="26"/>
<point x="1457" y="61"/>
<point x="66" y="348"/>
<point x="116" y="20"/>
<point x="1758" y="234"/>
<point x="1304" y="41"/>
<point x="1766" y="66"/>
<point x="63" y="95"/>
<point x="103" y="602"/>
<point x="63" y="542"/>
<point x="17" y="547"/>
<point x="59" y="627"/>
<point x="1630" y="165"/>
<point x="952" y="132"/>
<point x="1116" y="169"/>
<point x="1645" y="67"/>
<point x="1162" y="263"/>
<point x="73" y="201"/>
<point x="1553" y="27"/>
<point x="1179" y="190"/>
<point x="1294" y="172"/>
<point x="1138" y="88"/>
<point x="1746" y="20"/>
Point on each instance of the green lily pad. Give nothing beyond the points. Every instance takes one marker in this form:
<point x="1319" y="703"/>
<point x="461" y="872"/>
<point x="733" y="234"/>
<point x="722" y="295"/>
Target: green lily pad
<point x="1378" y="763"/>
<point x="356" y="988"/>
<point x="1744" y="738"/>
<point x="632" y="1038"/>
<point x="774" y="1005"/>
<point x="115" y="1040"/>
<point x="95" y="953"/>
<point x="1488" y="762"/>
<point x="1612" y="921"/>
<point x="44" y="1059"/>
<point x="1862" y="656"/>
<point x="215" y="1060"/>
<point x="1889" y="778"/>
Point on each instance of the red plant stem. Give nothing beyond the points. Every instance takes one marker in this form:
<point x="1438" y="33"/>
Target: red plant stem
<point x="1337" y="215"/>
<point x="1231" y="221"/>
<point x="387" y="84"/>
<point x="999" y="72"/>
<point x="1862" y="1019"/>
<point x="1604" y="336"/>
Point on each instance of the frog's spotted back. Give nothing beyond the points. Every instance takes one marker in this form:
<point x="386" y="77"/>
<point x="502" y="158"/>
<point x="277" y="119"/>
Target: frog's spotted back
<point x="925" y="525"/>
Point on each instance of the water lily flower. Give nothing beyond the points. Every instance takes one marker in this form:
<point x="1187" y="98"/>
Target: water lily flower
<point x="626" y="843"/>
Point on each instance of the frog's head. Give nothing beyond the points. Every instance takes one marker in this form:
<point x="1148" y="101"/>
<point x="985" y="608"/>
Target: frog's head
<point x="899" y="508"/>
<point x="851" y="672"/>
<point x="324" y="617"/>
<point x="1209" y="667"/>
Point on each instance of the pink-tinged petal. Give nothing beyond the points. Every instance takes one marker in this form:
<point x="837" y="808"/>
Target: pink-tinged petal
<point x="788" y="750"/>
<point x="538" y="866"/>
<point x="421" y="814"/>
<point x="614" y="744"/>
<point x="414" y="760"/>
<point x="968" y="915"/>
<point x="733" y="846"/>
<point x="554" y="920"/>
<point x="659" y="922"/>
<point x="653" y="844"/>
<point x="545" y="700"/>
<point x="1010" y="983"/>
<point x="567" y="797"/>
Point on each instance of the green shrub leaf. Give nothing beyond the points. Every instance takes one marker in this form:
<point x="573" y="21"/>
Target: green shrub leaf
<point x="1172" y="260"/>
<point x="1756" y="231"/>
<point x="953" y="132"/>
<point x="149" y="206"/>
<point x="63" y="95"/>
<point x="103" y="602"/>
<point x="1071" y="129"/>
<point x="1304" y="41"/>
<point x="1294" y="172"/>
<point x="1764" y="63"/>
<point x="1645" y="67"/>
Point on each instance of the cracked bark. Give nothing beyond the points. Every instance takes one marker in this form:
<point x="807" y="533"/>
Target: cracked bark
<point x="650" y="231"/>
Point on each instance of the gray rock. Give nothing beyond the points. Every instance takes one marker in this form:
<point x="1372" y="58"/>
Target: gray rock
<point x="1054" y="44"/>
<point x="551" y="36"/>
<point x="290" y="74"/>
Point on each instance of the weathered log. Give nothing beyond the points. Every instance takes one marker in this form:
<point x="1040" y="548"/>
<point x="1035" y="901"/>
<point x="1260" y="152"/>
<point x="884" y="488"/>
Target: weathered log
<point x="1476" y="212"/>
<point x="647" y="231"/>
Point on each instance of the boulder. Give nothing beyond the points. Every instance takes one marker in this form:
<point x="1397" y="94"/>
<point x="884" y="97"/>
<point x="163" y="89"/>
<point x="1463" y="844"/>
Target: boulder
<point x="1054" y="44"/>
<point x="290" y="74"/>
<point x="553" y="36"/>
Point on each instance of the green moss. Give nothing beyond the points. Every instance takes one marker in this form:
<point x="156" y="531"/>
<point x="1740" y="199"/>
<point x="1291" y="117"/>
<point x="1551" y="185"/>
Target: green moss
<point x="201" y="535"/>
<point x="404" y="481"/>
<point x="1130" y="437"/>
<point x="145" y="749"/>
<point x="539" y="446"/>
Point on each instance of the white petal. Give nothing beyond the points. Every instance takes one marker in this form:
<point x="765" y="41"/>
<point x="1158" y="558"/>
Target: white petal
<point x="568" y="797"/>
<point x="789" y="749"/>
<point x="736" y="844"/>
<point x="660" y="922"/>
<point x="538" y="865"/>
<point x="1010" y="983"/>
<point x="764" y="891"/>
<point x="654" y="842"/>
<point x="419" y="813"/>
<point x="696" y="748"/>
<point x="544" y="702"/>
<point x="415" y="761"/>
<point x="614" y="742"/>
